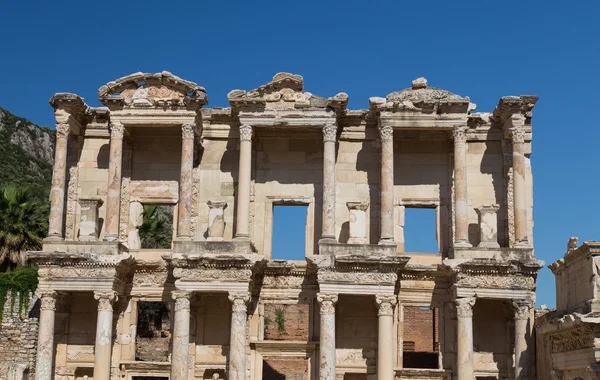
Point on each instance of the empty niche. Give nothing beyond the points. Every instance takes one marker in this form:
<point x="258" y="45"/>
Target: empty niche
<point x="153" y="333"/>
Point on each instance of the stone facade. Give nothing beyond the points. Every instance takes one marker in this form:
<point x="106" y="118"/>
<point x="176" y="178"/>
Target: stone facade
<point x="235" y="312"/>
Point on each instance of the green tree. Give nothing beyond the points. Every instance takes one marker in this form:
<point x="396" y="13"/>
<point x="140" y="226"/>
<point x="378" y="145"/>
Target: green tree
<point x="23" y="225"/>
<point x="156" y="230"/>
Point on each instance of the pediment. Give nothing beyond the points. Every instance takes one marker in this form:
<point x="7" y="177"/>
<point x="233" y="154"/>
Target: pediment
<point x="146" y="90"/>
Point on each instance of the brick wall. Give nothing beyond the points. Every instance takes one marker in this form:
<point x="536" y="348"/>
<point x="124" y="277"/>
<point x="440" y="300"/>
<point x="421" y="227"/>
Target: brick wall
<point x="420" y="329"/>
<point x="295" y="320"/>
<point x="18" y="337"/>
<point x="285" y="368"/>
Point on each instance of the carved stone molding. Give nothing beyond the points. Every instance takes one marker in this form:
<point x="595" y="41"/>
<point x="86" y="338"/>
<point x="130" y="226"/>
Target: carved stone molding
<point x="188" y="131"/>
<point x="239" y="301"/>
<point x="358" y="277"/>
<point x="496" y="282"/>
<point x="106" y="299"/>
<point x="213" y="275"/>
<point x="522" y="310"/>
<point x="47" y="299"/>
<point x="464" y="307"/>
<point x="575" y="339"/>
<point x="182" y="300"/>
<point x="330" y="132"/>
<point x="117" y="130"/>
<point x="245" y="132"/>
<point x="386" y="132"/>
<point x="327" y="302"/>
<point x="460" y="134"/>
<point x="385" y="304"/>
<point x="517" y="134"/>
<point x="62" y="130"/>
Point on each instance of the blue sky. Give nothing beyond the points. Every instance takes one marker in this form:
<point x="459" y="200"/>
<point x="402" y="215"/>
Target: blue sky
<point x="482" y="49"/>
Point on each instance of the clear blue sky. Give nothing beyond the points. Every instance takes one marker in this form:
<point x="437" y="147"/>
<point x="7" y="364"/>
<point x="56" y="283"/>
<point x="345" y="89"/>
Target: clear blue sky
<point x="482" y="49"/>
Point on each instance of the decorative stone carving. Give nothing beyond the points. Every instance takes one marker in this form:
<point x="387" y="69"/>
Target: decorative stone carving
<point x="327" y="302"/>
<point x="239" y="301"/>
<point x="497" y="282"/>
<point x="460" y="133"/>
<point x="358" y="222"/>
<point x="386" y="132"/>
<point x="517" y="134"/>
<point x="330" y="131"/>
<point x="106" y="299"/>
<point x="358" y="277"/>
<point x="572" y="244"/>
<point x="182" y="300"/>
<point x="188" y="131"/>
<point x="213" y="275"/>
<point x="245" y="132"/>
<point x="237" y="350"/>
<point x="488" y="226"/>
<point x="48" y="299"/>
<point x="522" y="311"/>
<point x="385" y="304"/>
<point x="88" y="219"/>
<point x="464" y="307"/>
<point x="136" y="219"/>
<point x="216" y="220"/>
<point x="117" y="130"/>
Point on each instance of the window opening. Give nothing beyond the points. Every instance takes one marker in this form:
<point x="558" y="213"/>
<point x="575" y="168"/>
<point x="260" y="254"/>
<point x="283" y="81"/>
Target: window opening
<point x="156" y="231"/>
<point x="420" y="230"/>
<point x="153" y="332"/>
<point x="289" y="232"/>
<point x="421" y="338"/>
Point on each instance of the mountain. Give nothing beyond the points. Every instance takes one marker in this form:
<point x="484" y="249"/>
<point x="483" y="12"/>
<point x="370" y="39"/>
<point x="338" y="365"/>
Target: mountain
<point x="26" y="153"/>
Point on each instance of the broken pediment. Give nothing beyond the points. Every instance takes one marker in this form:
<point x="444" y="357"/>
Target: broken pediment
<point x="284" y="92"/>
<point x="145" y="90"/>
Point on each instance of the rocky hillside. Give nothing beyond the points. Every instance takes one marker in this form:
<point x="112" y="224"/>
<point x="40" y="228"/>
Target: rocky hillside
<point x="26" y="153"/>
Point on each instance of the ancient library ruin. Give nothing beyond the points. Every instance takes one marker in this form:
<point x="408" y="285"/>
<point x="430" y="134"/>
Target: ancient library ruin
<point x="212" y="300"/>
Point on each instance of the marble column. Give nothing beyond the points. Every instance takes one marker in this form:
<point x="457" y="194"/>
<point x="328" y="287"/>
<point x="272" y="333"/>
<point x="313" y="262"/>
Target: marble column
<point x="386" y="134"/>
<point x="329" y="139"/>
<point x="184" y="223"/>
<point x="464" y="355"/>
<point x="104" y="332"/>
<point x="113" y="199"/>
<point x="385" y="343"/>
<point x="461" y="199"/>
<point x="59" y="175"/>
<point x="522" y="313"/>
<point x="181" y="336"/>
<point x="517" y="134"/>
<point x="237" y="345"/>
<point x="242" y="231"/>
<point x="45" y="346"/>
<point x="327" y="336"/>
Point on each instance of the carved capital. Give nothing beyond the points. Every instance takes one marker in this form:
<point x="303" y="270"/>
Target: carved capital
<point x="460" y="134"/>
<point x="47" y="299"/>
<point x="385" y="304"/>
<point x="106" y="299"/>
<point x="182" y="300"/>
<point x="330" y="132"/>
<point x="517" y="134"/>
<point x="464" y="307"/>
<point x="245" y="133"/>
<point x="188" y="131"/>
<point x="117" y="130"/>
<point x="62" y="130"/>
<point x="522" y="311"/>
<point x="327" y="302"/>
<point x="239" y="301"/>
<point x="386" y="132"/>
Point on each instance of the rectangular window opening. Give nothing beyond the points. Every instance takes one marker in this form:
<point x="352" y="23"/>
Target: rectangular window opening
<point x="153" y="332"/>
<point x="421" y="338"/>
<point x="420" y="230"/>
<point x="156" y="231"/>
<point x="289" y="232"/>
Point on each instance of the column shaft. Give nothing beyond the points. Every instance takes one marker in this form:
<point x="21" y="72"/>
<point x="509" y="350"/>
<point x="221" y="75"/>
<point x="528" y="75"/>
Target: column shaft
<point x="461" y="200"/>
<point x="59" y="174"/>
<point x="521" y="339"/>
<point x="104" y="330"/>
<point x="385" y="343"/>
<point x="181" y="336"/>
<point x="184" y="227"/>
<point x="464" y="356"/>
<point x="327" y="336"/>
<point x="45" y="346"/>
<point x="519" y="187"/>
<point x="387" y="185"/>
<point x="329" y="138"/>
<point x="113" y="199"/>
<point x="237" y="345"/>
<point x="244" y="177"/>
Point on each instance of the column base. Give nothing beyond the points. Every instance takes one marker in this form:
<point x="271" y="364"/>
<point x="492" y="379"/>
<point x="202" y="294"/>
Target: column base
<point x="110" y="237"/>
<point x="327" y="240"/>
<point x="242" y="238"/>
<point x="53" y="238"/>
<point x="386" y="241"/>
<point x="462" y="244"/>
<point x="184" y="238"/>
<point x="488" y="244"/>
<point x="522" y="244"/>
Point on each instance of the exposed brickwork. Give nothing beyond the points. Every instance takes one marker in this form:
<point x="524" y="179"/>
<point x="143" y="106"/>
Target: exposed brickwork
<point x="18" y="337"/>
<point x="295" y="320"/>
<point x="285" y="368"/>
<point x="420" y="329"/>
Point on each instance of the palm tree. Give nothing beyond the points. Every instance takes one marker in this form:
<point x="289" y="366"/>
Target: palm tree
<point x="156" y="231"/>
<point x="23" y="224"/>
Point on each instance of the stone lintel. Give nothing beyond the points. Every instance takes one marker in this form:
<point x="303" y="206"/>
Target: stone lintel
<point x="410" y="120"/>
<point x="418" y="374"/>
<point x="337" y="249"/>
<point x="524" y="254"/>
<point x="52" y="248"/>
<point x="288" y="119"/>
<point x="493" y="266"/>
<point x="237" y="247"/>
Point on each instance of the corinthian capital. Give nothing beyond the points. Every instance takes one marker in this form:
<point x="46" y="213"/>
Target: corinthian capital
<point x="106" y="299"/>
<point x="517" y="134"/>
<point x="522" y="310"/>
<point x="464" y="307"/>
<point x="239" y="301"/>
<point x="182" y="299"/>
<point x="386" y="132"/>
<point x="62" y="130"/>
<point x="117" y="130"/>
<point x="47" y="299"/>
<point x="460" y="134"/>
<point x="188" y="131"/>
<point x="245" y="132"/>
<point x="327" y="302"/>
<point x="385" y="304"/>
<point x="330" y="131"/>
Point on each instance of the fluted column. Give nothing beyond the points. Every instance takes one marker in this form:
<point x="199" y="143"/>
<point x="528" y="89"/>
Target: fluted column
<point x="327" y="336"/>
<point x="461" y="199"/>
<point x="45" y="346"/>
<point x="113" y="199"/>
<point x="329" y="138"/>
<point x="522" y="314"/>
<point x="104" y="330"/>
<point x="386" y="134"/>
<point x="59" y="175"/>
<point x="237" y="345"/>
<point x="181" y="335"/>
<point x="385" y="343"/>
<point x="243" y="199"/>
<point x="184" y="226"/>
<point x="517" y="134"/>
<point x="464" y="336"/>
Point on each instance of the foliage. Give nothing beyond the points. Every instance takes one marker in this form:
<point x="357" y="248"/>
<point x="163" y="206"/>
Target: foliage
<point x="150" y="318"/>
<point x="21" y="282"/>
<point x="280" y="319"/>
<point x="23" y="224"/>
<point x="156" y="230"/>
